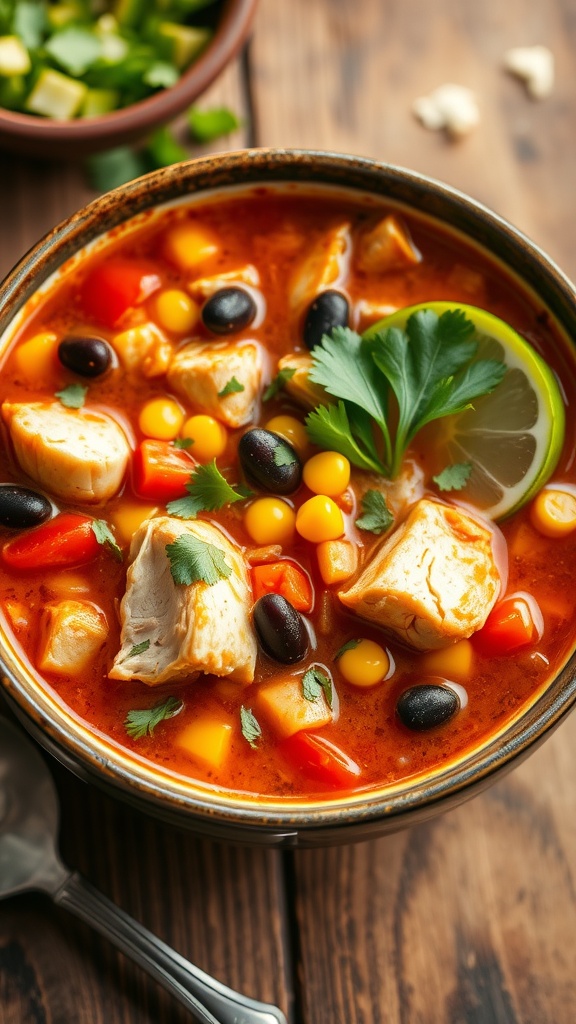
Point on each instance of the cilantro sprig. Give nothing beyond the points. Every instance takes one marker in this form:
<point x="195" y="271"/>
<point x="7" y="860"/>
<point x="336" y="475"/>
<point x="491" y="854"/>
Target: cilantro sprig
<point x="196" y="561"/>
<point x="208" y="491"/>
<point x="250" y="726"/>
<point x="376" y="516"/>
<point x="315" y="682"/>
<point x="277" y="383"/>
<point x="72" y="396"/>
<point x="391" y="384"/>
<point x="143" y="721"/>
<point x="106" y="538"/>
<point x="233" y="387"/>
<point x="454" y="477"/>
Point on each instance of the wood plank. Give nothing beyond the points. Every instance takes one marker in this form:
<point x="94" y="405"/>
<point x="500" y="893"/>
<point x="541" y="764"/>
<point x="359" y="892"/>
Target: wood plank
<point x="472" y="917"/>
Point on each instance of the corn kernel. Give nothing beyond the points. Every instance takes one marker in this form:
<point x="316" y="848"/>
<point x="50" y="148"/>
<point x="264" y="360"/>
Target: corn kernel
<point x="292" y="430"/>
<point x="319" y="519"/>
<point x="337" y="560"/>
<point x="327" y="473"/>
<point x="176" y="311"/>
<point x="128" y="517"/>
<point x="37" y="358"/>
<point x="189" y="245"/>
<point x="453" y="662"/>
<point x="270" y="521"/>
<point x="366" y="665"/>
<point x="553" y="512"/>
<point x="207" y="740"/>
<point x="209" y="436"/>
<point x="161" y="418"/>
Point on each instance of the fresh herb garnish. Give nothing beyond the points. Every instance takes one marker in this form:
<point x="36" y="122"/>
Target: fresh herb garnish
<point x="162" y="149"/>
<point x="250" y="726"/>
<point x="140" y="648"/>
<point x="208" y="491"/>
<point x="233" y="387"/>
<point x="207" y="125"/>
<point x="74" y="49"/>
<point x="278" y="382"/>
<point x="104" y="536"/>
<point x="183" y="442"/>
<point x="72" y="396"/>
<point x="114" y="168"/>
<point x="284" y="457"/>
<point x="453" y="478"/>
<point x="143" y="721"/>
<point x="430" y="367"/>
<point x="195" y="561"/>
<point x="315" y="682"/>
<point x="161" y="75"/>
<point x="376" y="516"/>
<point x="350" y="645"/>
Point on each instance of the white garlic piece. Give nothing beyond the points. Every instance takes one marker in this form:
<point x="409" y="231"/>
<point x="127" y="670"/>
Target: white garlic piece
<point x="452" y="107"/>
<point x="535" y="66"/>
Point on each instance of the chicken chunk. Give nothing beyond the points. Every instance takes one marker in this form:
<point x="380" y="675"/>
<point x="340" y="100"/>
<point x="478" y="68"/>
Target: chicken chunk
<point x="189" y="629"/>
<point x="387" y="246"/>
<point x="143" y="349"/>
<point x="199" y="372"/>
<point x="204" y="287"/>
<point x="299" y="386"/>
<point x="432" y="582"/>
<point x="325" y="266"/>
<point x="75" y="454"/>
<point x="72" y="634"/>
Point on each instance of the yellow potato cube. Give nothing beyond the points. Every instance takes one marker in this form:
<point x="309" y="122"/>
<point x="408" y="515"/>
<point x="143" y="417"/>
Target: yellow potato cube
<point x="72" y="634"/>
<point x="451" y="662"/>
<point x="286" y="709"/>
<point x="207" y="740"/>
<point x="337" y="560"/>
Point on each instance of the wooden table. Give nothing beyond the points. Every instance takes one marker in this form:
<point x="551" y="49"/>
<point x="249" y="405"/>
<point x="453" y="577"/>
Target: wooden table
<point x="470" y="919"/>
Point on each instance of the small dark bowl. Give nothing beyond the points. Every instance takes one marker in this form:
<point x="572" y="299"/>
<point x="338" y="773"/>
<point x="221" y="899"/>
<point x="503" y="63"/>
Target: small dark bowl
<point x="79" y="137"/>
<point x="234" y="816"/>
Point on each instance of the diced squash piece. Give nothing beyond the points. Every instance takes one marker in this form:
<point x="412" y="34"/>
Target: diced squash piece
<point x="129" y="516"/>
<point x="387" y="246"/>
<point x="337" y="560"/>
<point x="451" y="662"/>
<point x="286" y="709"/>
<point x="208" y="740"/>
<point x="14" y="57"/>
<point x="56" y="95"/>
<point x="144" y="349"/>
<point x="204" y="287"/>
<point x="72" y="634"/>
<point x="299" y="387"/>
<point x="37" y="357"/>
<point x="325" y="266"/>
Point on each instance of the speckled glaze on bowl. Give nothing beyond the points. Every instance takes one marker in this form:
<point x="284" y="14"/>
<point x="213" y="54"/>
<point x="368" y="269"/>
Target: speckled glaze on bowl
<point x="235" y="817"/>
<point x="79" y="137"/>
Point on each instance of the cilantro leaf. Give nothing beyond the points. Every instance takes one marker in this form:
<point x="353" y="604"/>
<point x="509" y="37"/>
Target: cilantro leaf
<point x="72" y="396"/>
<point x="104" y="536"/>
<point x="208" y="491"/>
<point x="140" y="648"/>
<point x="161" y="75"/>
<point x="350" y="645"/>
<point x="75" y="49"/>
<point x="195" y="561"/>
<point x="376" y="516"/>
<point x="251" y="730"/>
<point x="109" y="170"/>
<point x="277" y="383"/>
<point x="183" y="442"/>
<point x="453" y="478"/>
<point x="162" y="149"/>
<point x="284" y="457"/>
<point x="316" y="682"/>
<point x="207" y="125"/>
<point x="143" y="722"/>
<point x="29" y="22"/>
<point x="233" y="387"/>
<point x="329" y="427"/>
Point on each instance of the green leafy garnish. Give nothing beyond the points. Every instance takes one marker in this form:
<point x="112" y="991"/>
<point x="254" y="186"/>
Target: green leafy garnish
<point x="278" y="382"/>
<point x="162" y="149"/>
<point x="350" y="645"/>
<point x="161" y="75"/>
<point x="195" y="561"/>
<point x="376" y="516"/>
<point x="183" y="442"/>
<point x="104" y="536"/>
<point x="250" y="726"/>
<point x="29" y="22"/>
<point x="430" y="368"/>
<point x="233" y="387"/>
<point x="74" y="48"/>
<point x="207" y="125"/>
<point x="208" y="491"/>
<point x="453" y="478"/>
<point x="143" y="721"/>
<point x="140" y="648"/>
<point x="284" y="457"/>
<point x="114" y="168"/>
<point x="72" y="396"/>
<point x="315" y="682"/>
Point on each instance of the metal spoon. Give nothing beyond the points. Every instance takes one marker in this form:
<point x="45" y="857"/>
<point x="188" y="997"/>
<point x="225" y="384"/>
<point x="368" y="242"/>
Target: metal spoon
<point x="29" y="860"/>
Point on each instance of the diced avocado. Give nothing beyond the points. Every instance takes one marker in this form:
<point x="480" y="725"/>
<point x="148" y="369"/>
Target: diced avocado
<point x="99" y="101"/>
<point x="14" y="57"/>
<point x="130" y="12"/>
<point x="56" y="95"/>
<point x="185" y="43"/>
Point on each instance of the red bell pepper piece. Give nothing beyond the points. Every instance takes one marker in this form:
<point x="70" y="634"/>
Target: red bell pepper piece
<point x="322" y="760"/>
<point x="116" y="285"/>
<point x="286" y="579"/>
<point x="67" y="539"/>
<point x="509" y="627"/>
<point x="161" y="471"/>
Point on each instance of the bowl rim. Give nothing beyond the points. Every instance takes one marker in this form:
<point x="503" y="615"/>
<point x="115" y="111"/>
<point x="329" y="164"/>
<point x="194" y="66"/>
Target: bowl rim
<point x="252" y="168"/>
<point x="232" y="29"/>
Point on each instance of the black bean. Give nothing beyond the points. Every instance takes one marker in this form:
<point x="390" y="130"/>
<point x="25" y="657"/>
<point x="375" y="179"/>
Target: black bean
<point x="329" y="309"/>
<point x="269" y="461"/>
<point x="20" y="507"/>
<point x="87" y="356"/>
<point x="228" y="310"/>
<point x="280" y="629"/>
<point x="425" y="706"/>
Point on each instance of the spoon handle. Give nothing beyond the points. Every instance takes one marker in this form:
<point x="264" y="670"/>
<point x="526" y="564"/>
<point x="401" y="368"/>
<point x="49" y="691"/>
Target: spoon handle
<point x="208" y="999"/>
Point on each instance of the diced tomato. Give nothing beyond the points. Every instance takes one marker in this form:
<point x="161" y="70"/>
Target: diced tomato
<point x="117" y="285"/>
<point x="67" y="539"/>
<point x="321" y="759"/>
<point x="161" y="471"/>
<point x="510" y="626"/>
<point x="286" y="579"/>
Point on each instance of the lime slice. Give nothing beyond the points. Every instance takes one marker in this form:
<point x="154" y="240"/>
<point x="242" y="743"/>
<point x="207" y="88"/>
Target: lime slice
<point x="512" y="437"/>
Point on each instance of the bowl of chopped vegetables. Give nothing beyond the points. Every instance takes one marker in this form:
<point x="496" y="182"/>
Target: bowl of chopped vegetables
<point x="80" y="77"/>
<point x="288" y="495"/>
